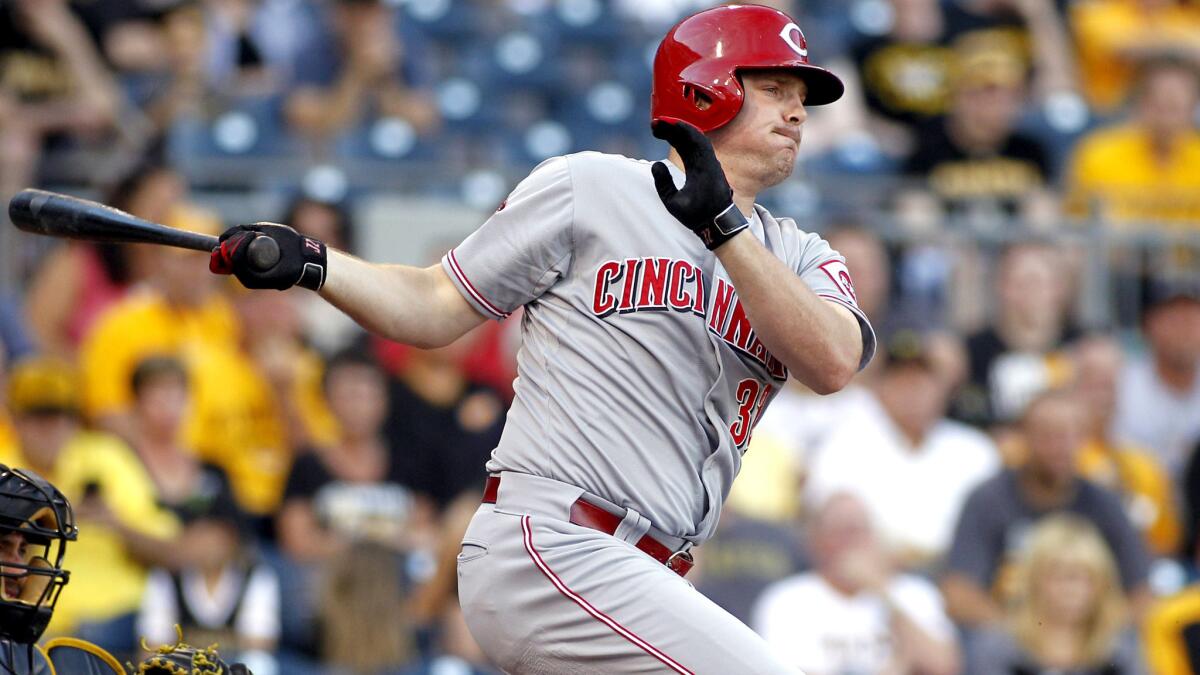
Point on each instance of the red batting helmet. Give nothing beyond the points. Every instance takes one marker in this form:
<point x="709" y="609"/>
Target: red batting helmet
<point x="698" y="61"/>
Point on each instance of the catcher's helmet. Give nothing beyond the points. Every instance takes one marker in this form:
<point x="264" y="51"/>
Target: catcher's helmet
<point x="30" y="505"/>
<point x="696" y="66"/>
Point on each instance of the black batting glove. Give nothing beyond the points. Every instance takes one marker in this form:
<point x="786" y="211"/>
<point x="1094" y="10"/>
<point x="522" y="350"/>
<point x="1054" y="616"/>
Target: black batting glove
<point x="302" y="260"/>
<point x="705" y="204"/>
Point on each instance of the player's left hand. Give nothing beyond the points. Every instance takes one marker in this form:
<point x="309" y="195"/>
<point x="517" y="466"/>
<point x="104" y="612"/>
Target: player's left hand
<point x="705" y="204"/>
<point x="302" y="260"/>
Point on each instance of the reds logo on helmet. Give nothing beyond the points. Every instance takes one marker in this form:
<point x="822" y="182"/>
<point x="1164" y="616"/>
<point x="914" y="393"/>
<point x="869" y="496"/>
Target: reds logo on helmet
<point x="792" y="35"/>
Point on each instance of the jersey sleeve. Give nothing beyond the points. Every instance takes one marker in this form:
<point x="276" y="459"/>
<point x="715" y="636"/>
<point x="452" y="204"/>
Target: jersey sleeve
<point x="825" y="272"/>
<point x="523" y="249"/>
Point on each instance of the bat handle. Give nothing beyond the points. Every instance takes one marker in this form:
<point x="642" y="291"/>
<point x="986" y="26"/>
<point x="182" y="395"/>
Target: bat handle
<point x="263" y="253"/>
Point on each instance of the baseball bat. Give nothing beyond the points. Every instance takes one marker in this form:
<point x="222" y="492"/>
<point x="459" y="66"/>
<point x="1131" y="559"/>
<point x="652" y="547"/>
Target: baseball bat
<point x="58" y="215"/>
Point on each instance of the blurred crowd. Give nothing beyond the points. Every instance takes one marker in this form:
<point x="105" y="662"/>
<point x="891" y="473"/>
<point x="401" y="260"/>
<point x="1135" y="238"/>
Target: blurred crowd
<point x="1013" y="486"/>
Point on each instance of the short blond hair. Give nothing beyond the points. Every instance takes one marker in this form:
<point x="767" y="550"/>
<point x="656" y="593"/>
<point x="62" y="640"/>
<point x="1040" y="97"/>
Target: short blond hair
<point x="1068" y="538"/>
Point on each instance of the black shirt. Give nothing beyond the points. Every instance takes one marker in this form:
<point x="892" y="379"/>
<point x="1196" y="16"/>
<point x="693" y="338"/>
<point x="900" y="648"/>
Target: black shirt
<point x="959" y="177"/>
<point x="996" y="520"/>
<point x="443" y="449"/>
<point x="376" y="510"/>
<point x="905" y="82"/>
<point x="983" y="400"/>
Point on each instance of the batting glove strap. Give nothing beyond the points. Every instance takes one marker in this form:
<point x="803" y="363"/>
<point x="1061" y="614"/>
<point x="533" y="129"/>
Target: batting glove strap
<point x="722" y="228"/>
<point x="303" y="261"/>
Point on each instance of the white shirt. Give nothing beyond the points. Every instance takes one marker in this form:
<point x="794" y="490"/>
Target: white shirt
<point x="801" y="421"/>
<point x="814" y="627"/>
<point x="914" y="494"/>
<point x="1149" y="415"/>
<point x="258" y="618"/>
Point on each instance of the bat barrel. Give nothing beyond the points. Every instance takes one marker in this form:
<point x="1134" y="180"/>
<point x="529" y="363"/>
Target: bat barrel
<point x="58" y="215"/>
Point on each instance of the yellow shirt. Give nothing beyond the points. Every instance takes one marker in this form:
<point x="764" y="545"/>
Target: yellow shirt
<point x="238" y="423"/>
<point x="1163" y="638"/>
<point x="1106" y="29"/>
<point x="769" y="485"/>
<point x="1116" y="170"/>
<point x="8" y="437"/>
<point x="144" y="325"/>
<point x="1144" y="487"/>
<point x="105" y="581"/>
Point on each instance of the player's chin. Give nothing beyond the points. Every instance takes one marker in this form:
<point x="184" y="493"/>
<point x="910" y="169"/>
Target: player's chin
<point x="779" y="170"/>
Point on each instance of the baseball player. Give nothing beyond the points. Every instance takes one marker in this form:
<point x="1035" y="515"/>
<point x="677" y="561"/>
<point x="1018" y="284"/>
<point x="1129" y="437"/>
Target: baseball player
<point x="663" y="311"/>
<point x="36" y="522"/>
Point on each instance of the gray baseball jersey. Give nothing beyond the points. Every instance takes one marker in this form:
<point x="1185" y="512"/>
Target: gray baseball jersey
<point x="639" y="375"/>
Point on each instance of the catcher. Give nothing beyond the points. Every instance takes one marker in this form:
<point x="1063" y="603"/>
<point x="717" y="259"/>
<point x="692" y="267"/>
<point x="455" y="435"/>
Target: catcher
<point x="36" y="522"/>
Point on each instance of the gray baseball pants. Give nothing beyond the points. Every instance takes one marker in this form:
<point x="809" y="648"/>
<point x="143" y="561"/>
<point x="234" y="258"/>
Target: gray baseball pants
<point x="544" y="596"/>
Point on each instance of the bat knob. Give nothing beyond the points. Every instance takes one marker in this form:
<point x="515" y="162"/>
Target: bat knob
<point x="263" y="253"/>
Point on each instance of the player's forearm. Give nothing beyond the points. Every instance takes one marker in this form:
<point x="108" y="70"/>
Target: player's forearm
<point x="419" y="307"/>
<point x="819" y="344"/>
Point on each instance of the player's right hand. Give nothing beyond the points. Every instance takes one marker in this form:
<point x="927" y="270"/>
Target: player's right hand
<point x="302" y="260"/>
<point x="705" y="204"/>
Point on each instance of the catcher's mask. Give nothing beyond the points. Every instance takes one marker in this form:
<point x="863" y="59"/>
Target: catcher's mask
<point x="31" y="573"/>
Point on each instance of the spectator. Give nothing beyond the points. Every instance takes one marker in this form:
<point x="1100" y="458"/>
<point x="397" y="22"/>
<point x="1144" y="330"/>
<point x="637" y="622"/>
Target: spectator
<point x="1145" y="171"/>
<point x="1125" y="469"/>
<point x="1000" y="513"/>
<point x="1172" y="624"/>
<point x="1021" y="353"/>
<point x="973" y="160"/>
<point x="52" y="81"/>
<point x="1068" y="614"/>
<point x="743" y="557"/>
<point x="1031" y="31"/>
<point x="365" y="612"/>
<point x="443" y="426"/>
<point x="903" y="75"/>
<point x="222" y="595"/>
<point x="369" y="77"/>
<point x="183" y="484"/>
<point x="1158" y="402"/>
<point x="258" y="401"/>
<point x="353" y="489"/>
<point x="78" y="281"/>
<point x="123" y="530"/>
<point x="179" y="310"/>
<point x="854" y="613"/>
<point x="1113" y="36"/>
<point x="325" y="327"/>
<point x="901" y="432"/>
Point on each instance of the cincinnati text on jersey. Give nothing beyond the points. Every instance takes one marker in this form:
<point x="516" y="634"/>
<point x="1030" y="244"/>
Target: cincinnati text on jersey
<point x="661" y="284"/>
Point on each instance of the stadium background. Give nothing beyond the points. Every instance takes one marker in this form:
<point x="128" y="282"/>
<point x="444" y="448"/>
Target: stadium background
<point x="1016" y="184"/>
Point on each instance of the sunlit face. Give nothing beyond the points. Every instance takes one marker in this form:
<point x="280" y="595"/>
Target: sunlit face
<point x="13" y="549"/>
<point x="1168" y="100"/>
<point x="358" y="398"/>
<point x="1055" y="430"/>
<point x="762" y="142"/>
<point x="1066" y="589"/>
<point x="842" y="525"/>
<point x="43" y="434"/>
<point x="162" y="403"/>
<point x="1031" y="285"/>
